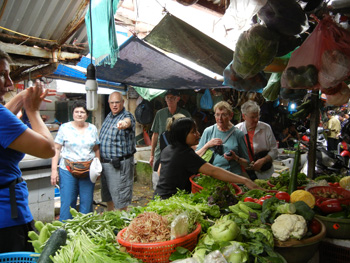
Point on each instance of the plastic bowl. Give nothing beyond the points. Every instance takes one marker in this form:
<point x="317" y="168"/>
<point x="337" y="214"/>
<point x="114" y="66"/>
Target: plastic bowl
<point x="197" y="188"/>
<point x="300" y="251"/>
<point x="336" y="228"/>
<point x="316" y="190"/>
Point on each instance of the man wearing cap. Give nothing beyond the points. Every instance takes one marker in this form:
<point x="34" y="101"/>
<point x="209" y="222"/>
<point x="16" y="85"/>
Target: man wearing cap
<point x="159" y="125"/>
<point x="333" y="125"/>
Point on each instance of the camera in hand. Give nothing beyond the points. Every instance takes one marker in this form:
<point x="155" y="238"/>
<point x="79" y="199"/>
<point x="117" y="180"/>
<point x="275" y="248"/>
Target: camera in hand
<point x="228" y="153"/>
<point x="219" y="149"/>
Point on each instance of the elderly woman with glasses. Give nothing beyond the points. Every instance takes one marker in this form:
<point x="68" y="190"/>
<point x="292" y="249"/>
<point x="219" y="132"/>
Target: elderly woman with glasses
<point x="259" y="138"/>
<point x="225" y="140"/>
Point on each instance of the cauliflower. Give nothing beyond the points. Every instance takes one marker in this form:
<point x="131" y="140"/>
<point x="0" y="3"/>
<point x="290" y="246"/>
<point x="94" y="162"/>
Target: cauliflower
<point x="288" y="226"/>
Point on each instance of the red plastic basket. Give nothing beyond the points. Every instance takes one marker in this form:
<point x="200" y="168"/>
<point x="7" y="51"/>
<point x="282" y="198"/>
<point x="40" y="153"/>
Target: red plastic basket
<point x="195" y="188"/>
<point x="161" y="251"/>
<point x="330" y="189"/>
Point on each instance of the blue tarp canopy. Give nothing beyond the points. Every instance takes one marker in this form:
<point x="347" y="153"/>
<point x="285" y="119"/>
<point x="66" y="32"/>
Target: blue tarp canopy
<point x="75" y="75"/>
<point x="139" y="64"/>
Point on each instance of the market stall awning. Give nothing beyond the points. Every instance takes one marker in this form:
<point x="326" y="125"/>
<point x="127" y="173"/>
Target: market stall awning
<point x="176" y="36"/>
<point x="77" y="74"/>
<point x="139" y="64"/>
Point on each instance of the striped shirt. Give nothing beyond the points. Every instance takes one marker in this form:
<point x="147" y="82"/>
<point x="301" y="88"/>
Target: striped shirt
<point x="114" y="142"/>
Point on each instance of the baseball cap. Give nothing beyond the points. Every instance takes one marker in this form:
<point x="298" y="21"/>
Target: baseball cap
<point x="172" y="92"/>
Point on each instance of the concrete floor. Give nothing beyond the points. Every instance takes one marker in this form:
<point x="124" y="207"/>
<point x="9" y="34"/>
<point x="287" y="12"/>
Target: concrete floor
<point x="142" y="194"/>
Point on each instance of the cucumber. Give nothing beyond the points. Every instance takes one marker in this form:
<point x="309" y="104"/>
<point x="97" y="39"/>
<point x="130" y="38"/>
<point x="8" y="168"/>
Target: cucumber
<point x="252" y="205"/>
<point x="57" y="239"/>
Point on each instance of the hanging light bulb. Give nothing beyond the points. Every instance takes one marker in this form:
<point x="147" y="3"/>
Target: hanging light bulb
<point x="91" y="88"/>
<point x="91" y="83"/>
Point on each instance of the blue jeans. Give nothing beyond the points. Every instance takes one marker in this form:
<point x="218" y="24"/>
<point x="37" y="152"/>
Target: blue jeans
<point x="70" y="188"/>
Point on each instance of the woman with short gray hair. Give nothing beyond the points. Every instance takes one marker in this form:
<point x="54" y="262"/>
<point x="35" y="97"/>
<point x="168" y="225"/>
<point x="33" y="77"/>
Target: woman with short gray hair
<point x="260" y="141"/>
<point x="227" y="142"/>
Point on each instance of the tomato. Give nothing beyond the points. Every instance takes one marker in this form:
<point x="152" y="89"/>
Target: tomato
<point x="263" y="198"/>
<point x="249" y="199"/>
<point x="315" y="226"/>
<point x="283" y="196"/>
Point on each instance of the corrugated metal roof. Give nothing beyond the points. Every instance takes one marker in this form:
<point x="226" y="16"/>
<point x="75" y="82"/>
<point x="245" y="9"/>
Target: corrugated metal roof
<point x="42" y="32"/>
<point x="45" y="19"/>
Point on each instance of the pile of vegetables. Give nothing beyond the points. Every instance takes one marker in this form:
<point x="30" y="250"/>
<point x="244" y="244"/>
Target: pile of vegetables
<point x="147" y="227"/>
<point x="84" y="238"/>
<point x="244" y="231"/>
<point x="281" y="182"/>
<point x="210" y="183"/>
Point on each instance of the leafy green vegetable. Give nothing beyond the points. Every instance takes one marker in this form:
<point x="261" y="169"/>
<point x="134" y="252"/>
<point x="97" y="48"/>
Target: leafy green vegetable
<point x="223" y="197"/>
<point x="272" y="207"/>
<point x="304" y="210"/>
<point x="262" y="183"/>
<point x="210" y="183"/>
<point x="284" y="177"/>
<point x="182" y="202"/>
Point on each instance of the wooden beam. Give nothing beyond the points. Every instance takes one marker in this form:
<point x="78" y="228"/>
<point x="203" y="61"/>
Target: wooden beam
<point x="38" y="52"/>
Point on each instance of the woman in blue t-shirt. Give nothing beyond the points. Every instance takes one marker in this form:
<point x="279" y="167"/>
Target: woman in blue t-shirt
<point x="16" y="139"/>
<point x="178" y="161"/>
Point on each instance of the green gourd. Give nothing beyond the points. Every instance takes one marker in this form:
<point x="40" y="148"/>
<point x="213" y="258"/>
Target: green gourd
<point x="56" y="240"/>
<point x="293" y="182"/>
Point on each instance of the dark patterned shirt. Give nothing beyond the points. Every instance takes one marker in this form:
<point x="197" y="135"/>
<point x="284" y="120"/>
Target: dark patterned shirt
<point x="115" y="142"/>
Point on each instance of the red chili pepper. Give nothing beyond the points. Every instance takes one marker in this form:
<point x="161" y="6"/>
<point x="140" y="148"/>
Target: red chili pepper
<point x="330" y="206"/>
<point x="249" y="199"/>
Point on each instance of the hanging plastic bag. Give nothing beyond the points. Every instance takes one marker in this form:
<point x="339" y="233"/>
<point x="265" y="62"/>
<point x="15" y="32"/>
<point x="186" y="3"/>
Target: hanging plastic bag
<point x="272" y="89"/>
<point x="340" y="98"/>
<point x="239" y="13"/>
<point x="255" y="83"/>
<point x="206" y="101"/>
<point x="255" y="49"/>
<point x="322" y="47"/>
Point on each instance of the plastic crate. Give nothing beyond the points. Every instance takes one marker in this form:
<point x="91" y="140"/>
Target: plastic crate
<point x="332" y="253"/>
<point x="195" y="188"/>
<point x="159" y="251"/>
<point x="19" y="257"/>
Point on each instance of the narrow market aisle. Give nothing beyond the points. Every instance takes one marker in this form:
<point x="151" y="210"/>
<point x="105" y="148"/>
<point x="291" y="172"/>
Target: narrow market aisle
<point x="142" y="194"/>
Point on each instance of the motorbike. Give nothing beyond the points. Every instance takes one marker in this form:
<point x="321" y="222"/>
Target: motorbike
<point x="344" y="151"/>
<point x="321" y="139"/>
<point x="326" y="162"/>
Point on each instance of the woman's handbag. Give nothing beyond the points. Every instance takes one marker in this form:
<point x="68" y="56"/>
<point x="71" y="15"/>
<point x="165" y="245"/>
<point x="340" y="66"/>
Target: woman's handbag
<point x="78" y="169"/>
<point x="259" y="155"/>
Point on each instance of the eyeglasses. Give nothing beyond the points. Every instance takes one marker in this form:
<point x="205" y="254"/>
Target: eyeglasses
<point x="114" y="102"/>
<point x="223" y="115"/>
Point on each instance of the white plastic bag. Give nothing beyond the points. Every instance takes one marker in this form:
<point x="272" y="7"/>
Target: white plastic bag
<point x="239" y="13"/>
<point x="95" y="169"/>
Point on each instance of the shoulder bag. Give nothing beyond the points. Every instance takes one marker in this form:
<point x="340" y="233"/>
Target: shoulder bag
<point x="266" y="166"/>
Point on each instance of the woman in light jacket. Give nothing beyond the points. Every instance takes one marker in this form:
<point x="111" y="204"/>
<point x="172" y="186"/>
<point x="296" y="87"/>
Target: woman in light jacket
<point x="261" y="138"/>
